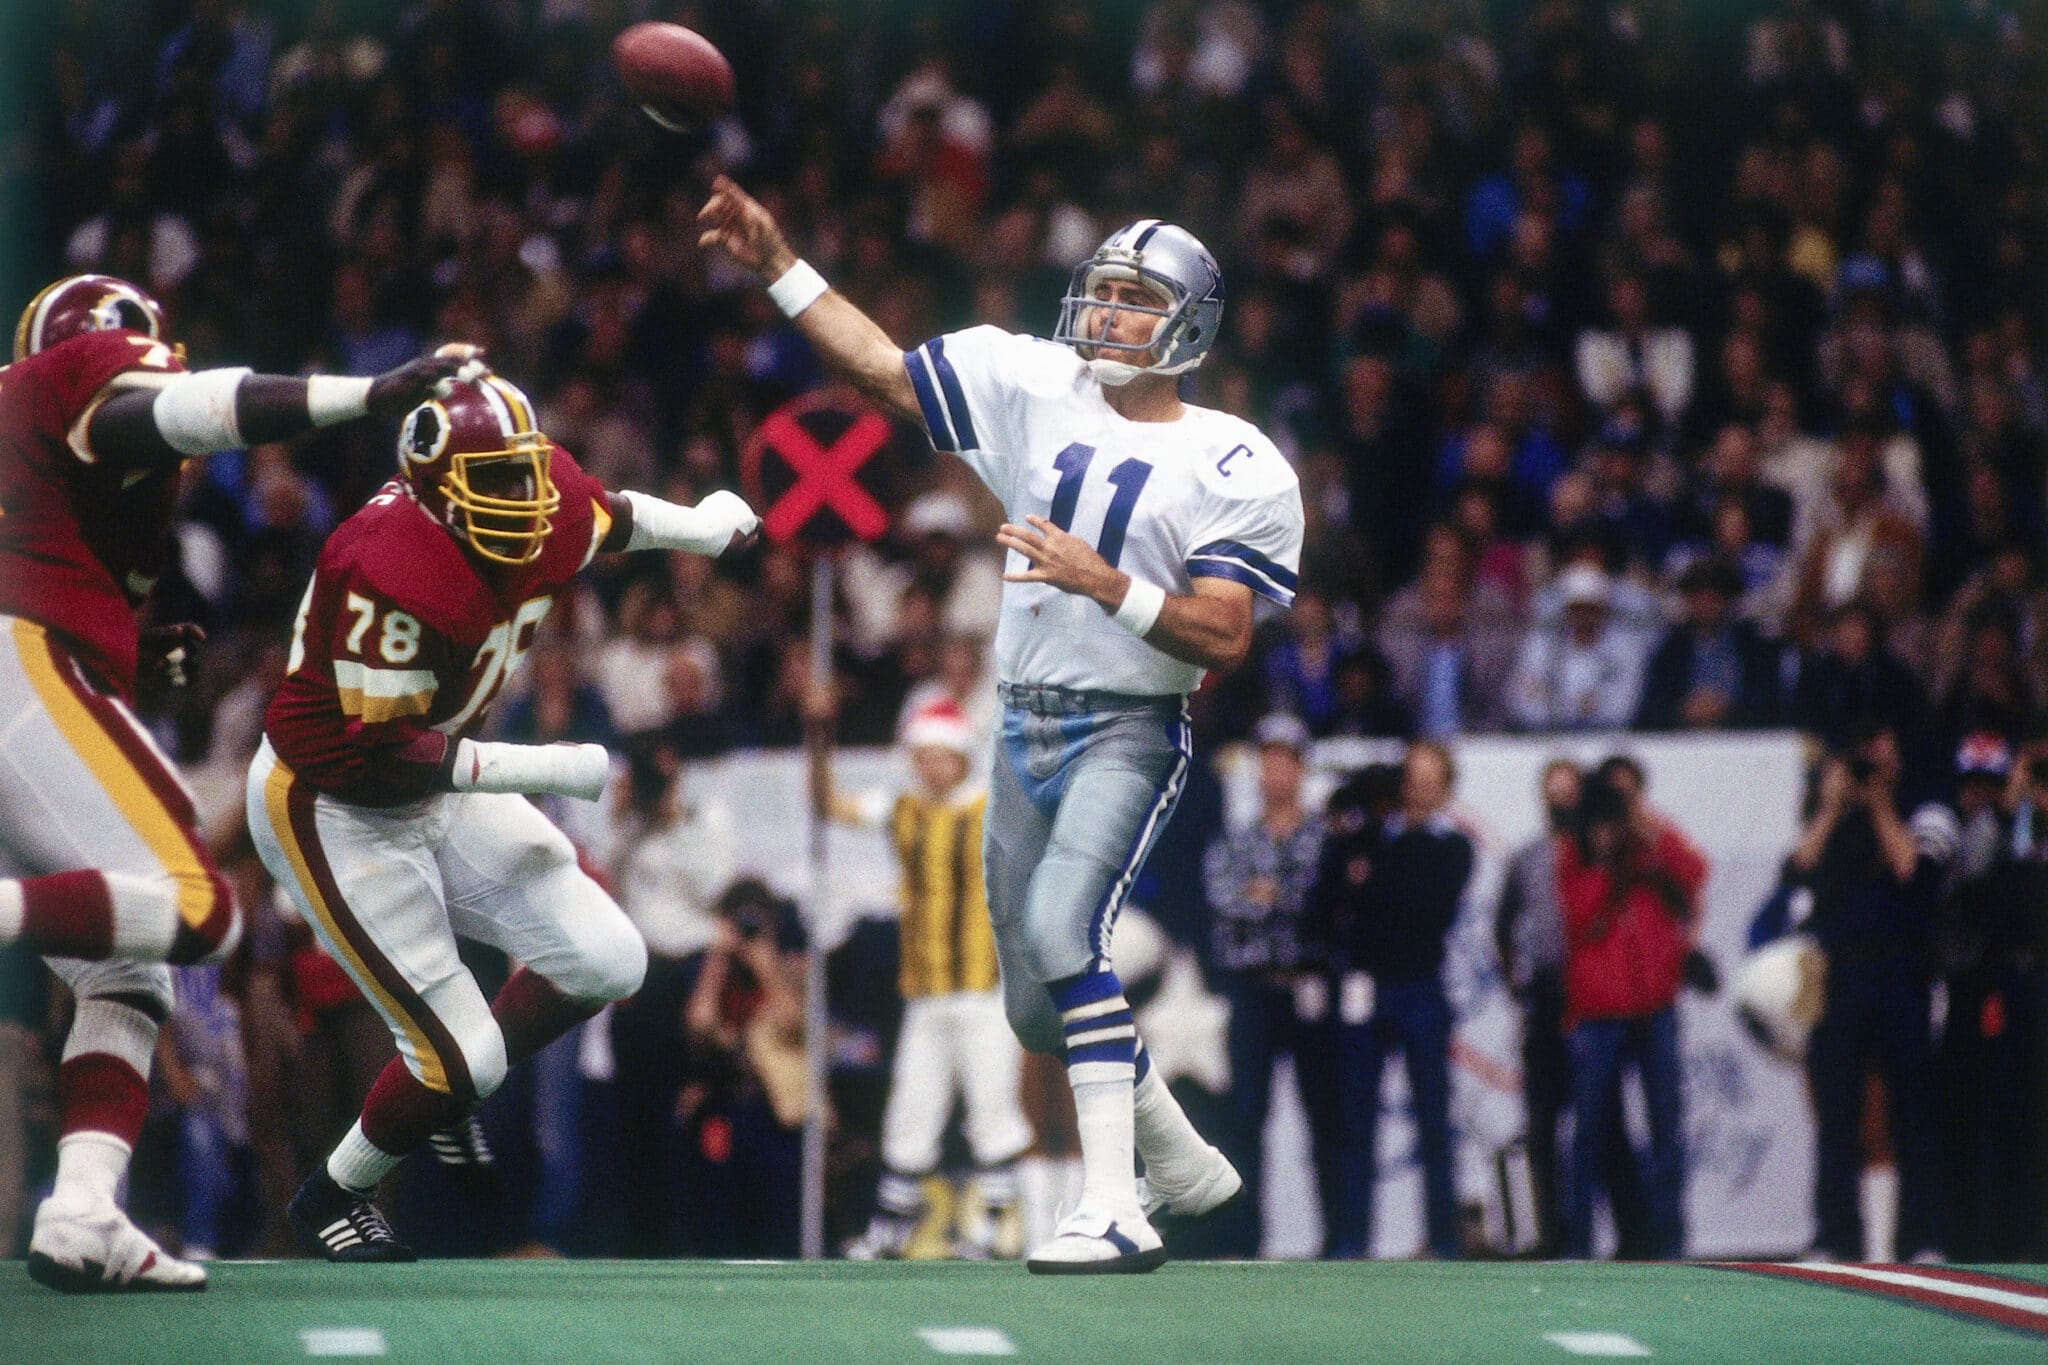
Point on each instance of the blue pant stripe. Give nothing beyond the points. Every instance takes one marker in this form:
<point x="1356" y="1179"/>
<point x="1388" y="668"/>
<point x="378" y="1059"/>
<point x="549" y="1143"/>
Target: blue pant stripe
<point x="1103" y="920"/>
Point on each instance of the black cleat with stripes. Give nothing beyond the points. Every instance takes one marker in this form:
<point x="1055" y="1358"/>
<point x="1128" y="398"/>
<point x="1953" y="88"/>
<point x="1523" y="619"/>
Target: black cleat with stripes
<point x="341" y="1224"/>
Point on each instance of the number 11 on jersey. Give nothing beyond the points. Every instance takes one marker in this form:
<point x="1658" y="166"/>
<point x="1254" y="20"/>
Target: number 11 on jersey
<point x="1128" y="478"/>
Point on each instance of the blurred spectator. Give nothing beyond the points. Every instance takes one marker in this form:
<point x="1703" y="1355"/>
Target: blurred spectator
<point x="1632" y="355"/>
<point x="205" y="1078"/>
<point x="1391" y="891"/>
<point x="1874" y="879"/>
<point x="1302" y="670"/>
<point x="741" y="1116"/>
<point x="1854" y="525"/>
<point x="1712" y="672"/>
<point x="956" y="579"/>
<point x="1529" y="934"/>
<point x="1629" y="888"/>
<point x="670" y="855"/>
<point x="1586" y="675"/>
<point x="1994" y="1051"/>
<point x="1267" y="963"/>
<point x="1449" y="665"/>
<point x="1856" y="682"/>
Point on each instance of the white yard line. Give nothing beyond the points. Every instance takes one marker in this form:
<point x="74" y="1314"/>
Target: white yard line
<point x="968" y="1341"/>
<point x="1598" y="1343"/>
<point x="343" y="1341"/>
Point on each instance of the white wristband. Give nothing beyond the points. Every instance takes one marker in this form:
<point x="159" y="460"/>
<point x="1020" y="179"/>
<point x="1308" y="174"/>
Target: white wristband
<point x="578" y="770"/>
<point x="332" y="398"/>
<point x="1141" y="607"/>
<point x="799" y="287"/>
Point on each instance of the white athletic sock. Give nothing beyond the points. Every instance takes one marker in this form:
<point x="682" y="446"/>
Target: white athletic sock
<point x="89" y="1168"/>
<point x="1171" y="1148"/>
<point x="10" y="911"/>
<point x="358" y="1163"/>
<point x="1102" y="1112"/>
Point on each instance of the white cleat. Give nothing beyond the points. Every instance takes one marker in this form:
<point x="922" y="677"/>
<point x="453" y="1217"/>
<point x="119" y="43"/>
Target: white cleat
<point x="94" y="1249"/>
<point x="1216" y="1185"/>
<point x="1093" y="1242"/>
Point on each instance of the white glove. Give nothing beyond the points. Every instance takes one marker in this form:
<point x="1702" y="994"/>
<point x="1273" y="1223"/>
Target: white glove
<point x="574" y="770"/>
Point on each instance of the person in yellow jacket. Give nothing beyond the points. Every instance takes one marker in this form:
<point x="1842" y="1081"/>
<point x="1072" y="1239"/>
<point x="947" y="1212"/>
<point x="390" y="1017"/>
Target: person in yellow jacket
<point x="955" y="1040"/>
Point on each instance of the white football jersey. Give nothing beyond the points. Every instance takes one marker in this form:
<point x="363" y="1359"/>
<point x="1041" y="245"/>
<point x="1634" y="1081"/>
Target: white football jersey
<point x="1167" y="502"/>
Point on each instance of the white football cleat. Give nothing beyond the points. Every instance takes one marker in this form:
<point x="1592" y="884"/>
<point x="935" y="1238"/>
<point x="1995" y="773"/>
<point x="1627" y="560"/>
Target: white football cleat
<point x="1094" y="1242"/>
<point x="1216" y="1184"/>
<point x="95" y="1249"/>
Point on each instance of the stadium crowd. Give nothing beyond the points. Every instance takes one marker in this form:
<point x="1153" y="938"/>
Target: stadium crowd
<point x="1646" y="366"/>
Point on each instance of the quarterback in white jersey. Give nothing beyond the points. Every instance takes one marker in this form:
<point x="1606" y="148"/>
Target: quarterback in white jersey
<point x="1140" y="529"/>
<point x="1204" y="495"/>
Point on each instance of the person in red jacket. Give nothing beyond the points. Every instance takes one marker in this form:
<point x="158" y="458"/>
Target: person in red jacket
<point x="1629" y="887"/>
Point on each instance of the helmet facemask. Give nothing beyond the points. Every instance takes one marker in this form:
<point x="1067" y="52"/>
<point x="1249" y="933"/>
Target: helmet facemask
<point x="1165" y="260"/>
<point x="503" y="527"/>
<point x="1117" y="363"/>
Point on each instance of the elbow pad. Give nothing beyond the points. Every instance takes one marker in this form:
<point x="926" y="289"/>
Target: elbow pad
<point x="195" y="413"/>
<point x="575" y="770"/>
<point x="705" y="529"/>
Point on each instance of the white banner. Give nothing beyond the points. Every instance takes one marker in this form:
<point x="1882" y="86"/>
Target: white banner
<point x="1749" y="1133"/>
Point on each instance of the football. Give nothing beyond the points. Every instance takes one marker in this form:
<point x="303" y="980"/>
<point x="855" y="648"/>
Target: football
<point x="679" y="79"/>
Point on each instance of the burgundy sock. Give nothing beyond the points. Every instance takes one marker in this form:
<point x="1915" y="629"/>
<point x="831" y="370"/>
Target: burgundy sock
<point x="532" y="1013"/>
<point x="68" y="914"/>
<point x="100" y="1093"/>
<point x="401" y="1113"/>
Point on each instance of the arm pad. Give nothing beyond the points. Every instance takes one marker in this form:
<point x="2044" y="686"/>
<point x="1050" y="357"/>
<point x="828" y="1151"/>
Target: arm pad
<point x="578" y="770"/>
<point x="705" y="529"/>
<point x="196" y="412"/>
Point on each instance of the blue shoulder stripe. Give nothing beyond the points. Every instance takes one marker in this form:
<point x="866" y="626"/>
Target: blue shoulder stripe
<point x="1231" y="549"/>
<point x="928" y="402"/>
<point x="956" y="397"/>
<point x="1238" y="573"/>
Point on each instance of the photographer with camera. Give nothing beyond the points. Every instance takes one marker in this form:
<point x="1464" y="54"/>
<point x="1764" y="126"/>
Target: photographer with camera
<point x="1629" y="888"/>
<point x="1876" y="881"/>
<point x="1994" y="1052"/>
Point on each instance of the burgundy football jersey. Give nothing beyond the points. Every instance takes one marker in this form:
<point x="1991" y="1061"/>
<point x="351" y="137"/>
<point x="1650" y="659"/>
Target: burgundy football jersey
<point x="400" y="633"/>
<point x="81" y="542"/>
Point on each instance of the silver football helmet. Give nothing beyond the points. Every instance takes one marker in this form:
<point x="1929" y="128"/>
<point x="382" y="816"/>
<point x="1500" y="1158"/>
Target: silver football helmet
<point x="1171" y="261"/>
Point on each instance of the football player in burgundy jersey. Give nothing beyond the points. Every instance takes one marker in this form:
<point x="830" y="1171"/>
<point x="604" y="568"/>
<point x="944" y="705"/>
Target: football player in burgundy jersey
<point x="101" y="865"/>
<point x="392" y="829"/>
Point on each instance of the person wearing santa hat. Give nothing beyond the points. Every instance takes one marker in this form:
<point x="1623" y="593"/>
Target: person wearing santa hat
<point x="955" y="1040"/>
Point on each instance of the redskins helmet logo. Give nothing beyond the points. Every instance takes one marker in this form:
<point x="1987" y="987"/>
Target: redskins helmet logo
<point x="425" y="434"/>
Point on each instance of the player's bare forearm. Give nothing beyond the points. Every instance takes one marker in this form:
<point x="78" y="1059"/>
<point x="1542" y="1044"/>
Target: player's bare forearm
<point x="1210" y="631"/>
<point x="1211" y="627"/>
<point x="852" y="344"/>
<point x="198" y="413"/>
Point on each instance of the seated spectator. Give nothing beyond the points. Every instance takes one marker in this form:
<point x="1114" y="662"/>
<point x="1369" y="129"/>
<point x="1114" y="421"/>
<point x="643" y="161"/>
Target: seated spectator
<point x="1366" y="704"/>
<point x="1853" y="526"/>
<point x="1629" y="890"/>
<point x="1301" y="670"/>
<point x="1712" y="672"/>
<point x="1731" y="471"/>
<point x="1631" y="353"/>
<point x="1449" y="665"/>
<point x="1583" y="675"/>
<point x="1624" y="510"/>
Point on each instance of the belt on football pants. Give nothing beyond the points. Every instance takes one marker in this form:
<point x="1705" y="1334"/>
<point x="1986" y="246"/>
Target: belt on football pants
<point x="1068" y="701"/>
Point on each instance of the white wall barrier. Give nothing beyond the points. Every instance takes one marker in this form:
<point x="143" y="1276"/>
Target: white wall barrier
<point x="1749" y="1136"/>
